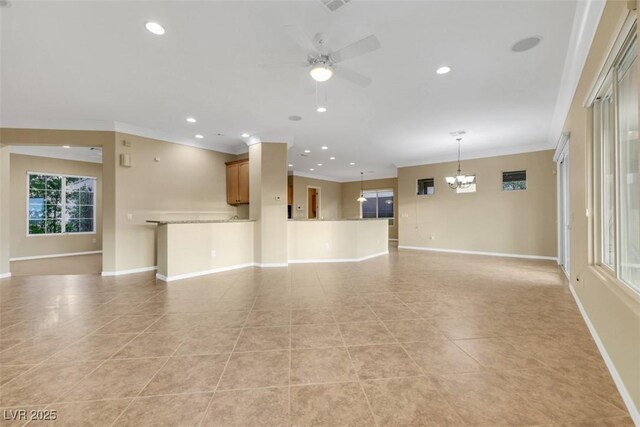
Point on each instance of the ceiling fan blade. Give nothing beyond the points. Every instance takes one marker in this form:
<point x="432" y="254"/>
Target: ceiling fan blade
<point x="301" y="39"/>
<point x="353" y="77"/>
<point x="297" y="64"/>
<point x="359" y="48"/>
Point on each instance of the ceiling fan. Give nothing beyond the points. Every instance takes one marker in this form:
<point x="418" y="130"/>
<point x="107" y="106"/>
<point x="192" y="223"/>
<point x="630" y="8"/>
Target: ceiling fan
<point x="321" y="61"/>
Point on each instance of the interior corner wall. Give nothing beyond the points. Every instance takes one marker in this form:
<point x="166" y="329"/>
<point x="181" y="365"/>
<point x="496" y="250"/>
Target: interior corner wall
<point x="330" y="197"/>
<point x="612" y="308"/>
<point x="489" y="220"/>
<point x="22" y="245"/>
<point x="165" y="181"/>
<point x="351" y="192"/>
<point x="268" y="196"/>
<point x="4" y="211"/>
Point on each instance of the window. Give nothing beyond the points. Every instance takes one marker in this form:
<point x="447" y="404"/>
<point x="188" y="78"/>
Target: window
<point x="514" y="180"/>
<point x="60" y="204"/>
<point x="616" y="169"/>
<point x="426" y="187"/>
<point x="379" y="204"/>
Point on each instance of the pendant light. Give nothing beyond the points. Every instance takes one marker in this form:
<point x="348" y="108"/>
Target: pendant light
<point x="361" y="198"/>
<point x="460" y="180"/>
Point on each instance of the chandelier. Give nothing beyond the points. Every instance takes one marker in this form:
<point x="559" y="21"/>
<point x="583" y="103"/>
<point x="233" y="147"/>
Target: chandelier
<point x="361" y="199"/>
<point x="460" y="180"/>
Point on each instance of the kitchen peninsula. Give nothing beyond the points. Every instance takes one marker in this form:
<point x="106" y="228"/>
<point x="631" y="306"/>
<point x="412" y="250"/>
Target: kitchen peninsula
<point x="189" y="248"/>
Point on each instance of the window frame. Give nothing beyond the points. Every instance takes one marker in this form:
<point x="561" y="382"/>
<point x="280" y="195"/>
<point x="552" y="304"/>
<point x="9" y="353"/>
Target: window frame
<point x="63" y="191"/>
<point x="392" y="223"/>
<point x="433" y="180"/>
<point x="608" y="82"/>
<point x="526" y="181"/>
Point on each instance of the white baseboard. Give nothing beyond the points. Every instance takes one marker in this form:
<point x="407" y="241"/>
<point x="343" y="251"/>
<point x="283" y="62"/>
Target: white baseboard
<point x="271" y="264"/>
<point x="202" y="273"/>
<point x="5" y="275"/>
<point x="305" y="261"/>
<point x="25" y="258"/>
<point x="458" y="251"/>
<point x="622" y="389"/>
<point x="132" y="271"/>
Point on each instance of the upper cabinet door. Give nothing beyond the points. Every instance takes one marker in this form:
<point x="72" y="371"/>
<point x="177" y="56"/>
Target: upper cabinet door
<point x="243" y="182"/>
<point x="233" y="197"/>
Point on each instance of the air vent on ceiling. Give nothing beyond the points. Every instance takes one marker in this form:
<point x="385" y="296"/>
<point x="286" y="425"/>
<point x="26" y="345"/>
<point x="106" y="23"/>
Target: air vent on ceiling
<point x="333" y="5"/>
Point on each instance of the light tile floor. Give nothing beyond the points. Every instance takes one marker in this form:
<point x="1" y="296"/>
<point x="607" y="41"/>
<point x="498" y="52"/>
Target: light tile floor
<point x="409" y="339"/>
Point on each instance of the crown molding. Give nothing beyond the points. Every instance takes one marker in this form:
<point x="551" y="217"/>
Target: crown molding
<point x="583" y="30"/>
<point x="497" y="152"/>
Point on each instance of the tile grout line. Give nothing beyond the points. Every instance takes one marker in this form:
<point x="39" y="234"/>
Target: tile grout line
<point x="215" y="390"/>
<point x="355" y="372"/>
<point x="424" y="374"/>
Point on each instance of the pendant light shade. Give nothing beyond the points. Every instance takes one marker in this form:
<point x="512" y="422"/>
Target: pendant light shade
<point x="361" y="198"/>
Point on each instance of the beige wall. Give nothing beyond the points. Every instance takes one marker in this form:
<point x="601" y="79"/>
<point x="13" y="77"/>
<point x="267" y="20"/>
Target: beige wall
<point x="330" y="197"/>
<point x="5" y="192"/>
<point x="490" y="220"/>
<point x="268" y="181"/>
<point x="30" y="246"/>
<point x="185" y="181"/>
<point x="336" y="240"/>
<point x="351" y="192"/>
<point x="194" y="249"/>
<point x="612" y="308"/>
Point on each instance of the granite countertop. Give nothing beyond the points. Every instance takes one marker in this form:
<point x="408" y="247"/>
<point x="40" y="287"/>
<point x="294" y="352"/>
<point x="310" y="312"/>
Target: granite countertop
<point x="340" y="219"/>
<point x="196" y="221"/>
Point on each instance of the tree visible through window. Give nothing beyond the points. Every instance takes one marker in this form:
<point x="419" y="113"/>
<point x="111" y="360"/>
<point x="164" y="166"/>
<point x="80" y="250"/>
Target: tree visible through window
<point x="60" y="204"/>
<point x="379" y="204"/>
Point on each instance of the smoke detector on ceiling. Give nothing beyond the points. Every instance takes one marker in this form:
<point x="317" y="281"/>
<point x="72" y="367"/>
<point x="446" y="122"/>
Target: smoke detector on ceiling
<point x="333" y="5"/>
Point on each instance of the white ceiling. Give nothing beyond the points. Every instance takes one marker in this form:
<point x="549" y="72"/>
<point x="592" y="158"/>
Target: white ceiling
<point x="81" y="154"/>
<point x="86" y="65"/>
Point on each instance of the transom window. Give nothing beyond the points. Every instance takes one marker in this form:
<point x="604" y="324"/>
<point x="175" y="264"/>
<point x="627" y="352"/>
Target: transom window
<point x="379" y="204"/>
<point x="426" y="187"/>
<point x="514" y="180"/>
<point x="616" y="169"/>
<point x="60" y="204"/>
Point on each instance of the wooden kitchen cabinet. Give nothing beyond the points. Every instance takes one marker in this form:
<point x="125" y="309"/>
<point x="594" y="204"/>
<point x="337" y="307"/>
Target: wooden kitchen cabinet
<point x="238" y="182"/>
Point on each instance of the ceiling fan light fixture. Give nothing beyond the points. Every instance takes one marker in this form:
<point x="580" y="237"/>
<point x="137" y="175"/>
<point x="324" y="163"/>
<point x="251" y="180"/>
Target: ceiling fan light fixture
<point x="321" y="72"/>
<point x="361" y="199"/>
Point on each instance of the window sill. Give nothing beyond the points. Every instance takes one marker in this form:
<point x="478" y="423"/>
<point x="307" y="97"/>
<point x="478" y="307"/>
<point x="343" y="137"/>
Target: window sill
<point x="60" y="234"/>
<point x="616" y="285"/>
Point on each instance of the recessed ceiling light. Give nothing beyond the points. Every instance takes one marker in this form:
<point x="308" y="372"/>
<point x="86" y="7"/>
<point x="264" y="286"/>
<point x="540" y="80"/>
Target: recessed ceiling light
<point x="155" y="28"/>
<point x="311" y="169"/>
<point x="352" y="164"/>
<point x="307" y="151"/>
<point x="199" y="136"/>
<point x="245" y="135"/>
<point x="191" y="120"/>
<point x="332" y="158"/>
<point x="319" y="164"/>
<point x="321" y="109"/>
<point x="443" y="70"/>
<point x="526" y="44"/>
<point x="324" y="147"/>
<point x="290" y="165"/>
<point x="66" y="146"/>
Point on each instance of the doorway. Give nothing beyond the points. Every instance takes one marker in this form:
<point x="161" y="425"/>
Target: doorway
<point x="313" y="202"/>
<point x="564" y="212"/>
